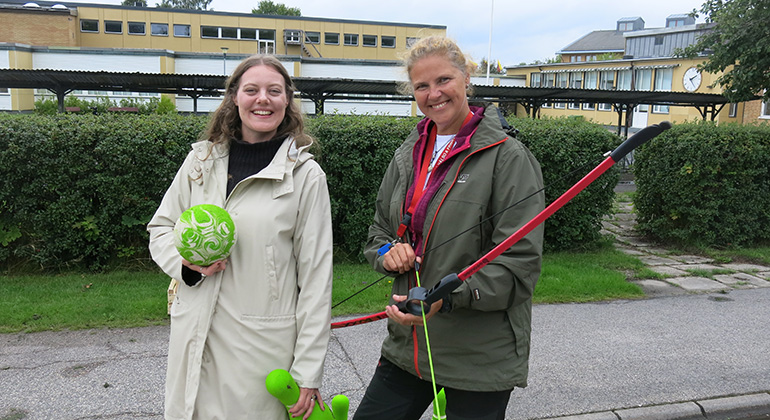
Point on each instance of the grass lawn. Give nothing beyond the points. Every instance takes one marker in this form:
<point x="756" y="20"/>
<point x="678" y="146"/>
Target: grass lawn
<point x="130" y="299"/>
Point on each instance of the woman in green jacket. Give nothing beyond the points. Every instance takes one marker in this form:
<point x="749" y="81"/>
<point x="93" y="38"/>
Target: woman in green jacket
<point x="464" y="183"/>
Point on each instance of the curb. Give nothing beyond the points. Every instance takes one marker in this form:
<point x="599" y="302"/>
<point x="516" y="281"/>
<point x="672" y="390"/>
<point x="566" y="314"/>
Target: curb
<point x="741" y="407"/>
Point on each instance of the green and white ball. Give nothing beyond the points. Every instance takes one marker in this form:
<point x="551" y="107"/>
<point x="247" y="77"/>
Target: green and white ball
<point x="204" y="234"/>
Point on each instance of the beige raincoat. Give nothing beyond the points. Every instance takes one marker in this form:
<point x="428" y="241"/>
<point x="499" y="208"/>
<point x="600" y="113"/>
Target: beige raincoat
<point x="270" y="308"/>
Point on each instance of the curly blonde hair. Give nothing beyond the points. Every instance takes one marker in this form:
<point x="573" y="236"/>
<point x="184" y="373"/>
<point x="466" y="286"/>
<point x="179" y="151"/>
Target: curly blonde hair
<point x="439" y="46"/>
<point x="225" y="123"/>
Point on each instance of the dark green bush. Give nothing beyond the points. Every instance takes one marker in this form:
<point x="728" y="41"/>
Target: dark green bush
<point x="355" y="152"/>
<point x="76" y="191"/>
<point x="705" y="185"/>
<point x="79" y="189"/>
<point x="568" y="149"/>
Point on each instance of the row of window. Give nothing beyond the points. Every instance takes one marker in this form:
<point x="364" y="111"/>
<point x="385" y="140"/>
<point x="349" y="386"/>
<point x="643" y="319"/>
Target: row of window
<point x="656" y="109"/>
<point x="184" y="31"/>
<point x="291" y="36"/>
<point x="607" y="79"/>
<point x="333" y="38"/>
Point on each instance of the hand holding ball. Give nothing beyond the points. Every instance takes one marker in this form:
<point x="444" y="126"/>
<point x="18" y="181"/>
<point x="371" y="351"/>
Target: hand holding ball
<point x="204" y="234"/>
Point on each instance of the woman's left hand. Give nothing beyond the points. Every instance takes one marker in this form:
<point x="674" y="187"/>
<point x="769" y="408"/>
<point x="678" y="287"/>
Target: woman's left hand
<point x="410" y="320"/>
<point x="306" y="402"/>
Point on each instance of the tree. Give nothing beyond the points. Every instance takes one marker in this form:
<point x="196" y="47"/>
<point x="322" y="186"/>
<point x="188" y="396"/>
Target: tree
<point x="185" y="4"/>
<point x="135" y="3"/>
<point x="737" y="47"/>
<point x="267" y="7"/>
<point x="494" y="68"/>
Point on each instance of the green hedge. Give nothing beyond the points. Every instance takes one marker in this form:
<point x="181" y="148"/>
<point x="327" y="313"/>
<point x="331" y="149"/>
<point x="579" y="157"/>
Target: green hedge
<point x="76" y="191"/>
<point x="567" y="149"/>
<point x="705" y="185"/>
<point x="355" y="152"/>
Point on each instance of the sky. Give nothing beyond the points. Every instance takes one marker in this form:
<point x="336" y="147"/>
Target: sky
<point x="522" y="30"/>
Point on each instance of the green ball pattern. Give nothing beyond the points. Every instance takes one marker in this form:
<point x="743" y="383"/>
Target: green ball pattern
<point x="204" y="234"/>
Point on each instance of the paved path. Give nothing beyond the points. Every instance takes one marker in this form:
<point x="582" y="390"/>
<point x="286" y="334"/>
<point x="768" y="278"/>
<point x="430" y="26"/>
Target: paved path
<point x="698" y="348"/>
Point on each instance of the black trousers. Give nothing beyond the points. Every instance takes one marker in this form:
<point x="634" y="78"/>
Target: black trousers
<point x="394" y="394"/>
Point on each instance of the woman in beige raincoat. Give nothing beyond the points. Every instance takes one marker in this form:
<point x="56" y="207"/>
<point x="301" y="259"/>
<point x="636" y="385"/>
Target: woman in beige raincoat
<point x="268" y="305"/>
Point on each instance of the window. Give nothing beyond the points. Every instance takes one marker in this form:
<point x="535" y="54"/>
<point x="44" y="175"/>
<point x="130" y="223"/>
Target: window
<point x="370" y="40"/>
<point x="626" y="26"/>
<point x="230" y="33"/>
<point x="136" y="28"/>
<point x="351" y="40"/>
<point x="607" y="80"/>
<point x="267" y="34"/>
<point x="765" y="114"/>
<point x="589" y="107"/>
<point x="548" y="80"/>
<point x="643" y="81"/>
<point x="575" y="82"/>
<point x="558" y="105"/>
<point x="659" y="40"/>
<point x="209" y="32"/>
<point x="331" y="38"/>
<point x="576" y="79"/>
<point x="673" y="23"/>
<point x="546" y="103"/>
<point x="313" y="37"/>
<point x="159" y="29"/>
<point x="624" y="80"/>
<point x="590" y="80"/>
<point x="534" y="80"/>
<point x="562" y="80"/>
<point x="733" y="110"/>
<point x="388" y="41"/>
<point x="663" y="79"/>
<point x="291" y="36"/>
<point x="182" y="31"/>
<point x="3" y="90"/>
<point x="89" y="25"/>
<point x="113" y="27"/>
<point x="605" y="107"/>
<point x="266" y="47"/>
<point x="248" y="33"/>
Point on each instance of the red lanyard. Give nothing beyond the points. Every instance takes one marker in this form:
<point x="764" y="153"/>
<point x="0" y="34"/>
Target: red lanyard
<point x="419" y="187"/>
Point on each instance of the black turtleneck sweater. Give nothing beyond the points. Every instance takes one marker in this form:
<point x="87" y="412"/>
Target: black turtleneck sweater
<point x="247" y="159"/>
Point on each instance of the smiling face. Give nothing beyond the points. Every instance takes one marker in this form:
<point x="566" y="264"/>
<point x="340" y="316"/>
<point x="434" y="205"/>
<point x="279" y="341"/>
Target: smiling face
<point x="439" y="90"/>
<point x="261" y="100"/>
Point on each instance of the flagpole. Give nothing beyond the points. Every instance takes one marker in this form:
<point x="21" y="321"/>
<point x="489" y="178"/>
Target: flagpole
<point x="489" y="53"/>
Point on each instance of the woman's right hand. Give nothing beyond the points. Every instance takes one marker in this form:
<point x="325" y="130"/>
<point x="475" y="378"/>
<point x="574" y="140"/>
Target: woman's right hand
<point x="400" y="258"/>
<point x="208" y="270"/>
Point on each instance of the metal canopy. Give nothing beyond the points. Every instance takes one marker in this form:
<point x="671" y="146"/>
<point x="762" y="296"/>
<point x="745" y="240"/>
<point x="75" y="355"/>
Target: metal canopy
<point x="319" y="90"/>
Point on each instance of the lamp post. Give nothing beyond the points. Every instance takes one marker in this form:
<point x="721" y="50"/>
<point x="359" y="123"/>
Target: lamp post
<point x="224" y="60"/>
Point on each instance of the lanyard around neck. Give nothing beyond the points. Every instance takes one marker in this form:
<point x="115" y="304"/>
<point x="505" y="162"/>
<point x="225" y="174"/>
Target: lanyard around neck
<point x="419" y="186"/>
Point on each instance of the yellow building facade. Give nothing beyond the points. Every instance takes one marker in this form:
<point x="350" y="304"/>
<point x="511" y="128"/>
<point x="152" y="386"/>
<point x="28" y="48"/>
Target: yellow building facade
<point x="94" y="37"/>
<point x="632" y="58"/>
<point x="181" y="30"/>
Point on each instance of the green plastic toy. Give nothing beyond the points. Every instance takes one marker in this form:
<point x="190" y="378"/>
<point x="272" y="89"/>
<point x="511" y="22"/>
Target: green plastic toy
<point x="441" y="400"/>
<point x="281" y="385"/>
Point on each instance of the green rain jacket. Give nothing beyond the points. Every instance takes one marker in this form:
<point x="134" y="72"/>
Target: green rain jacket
<point x="482" y="343"/>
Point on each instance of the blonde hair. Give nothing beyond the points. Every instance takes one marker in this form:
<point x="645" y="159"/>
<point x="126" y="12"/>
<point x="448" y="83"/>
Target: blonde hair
<point x="225" y="123"/>
<point x="439" y="46"/>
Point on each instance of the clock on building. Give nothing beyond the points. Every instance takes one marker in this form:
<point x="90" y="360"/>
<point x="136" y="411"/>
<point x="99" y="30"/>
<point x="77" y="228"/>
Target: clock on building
<point x="691" y="79"/>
